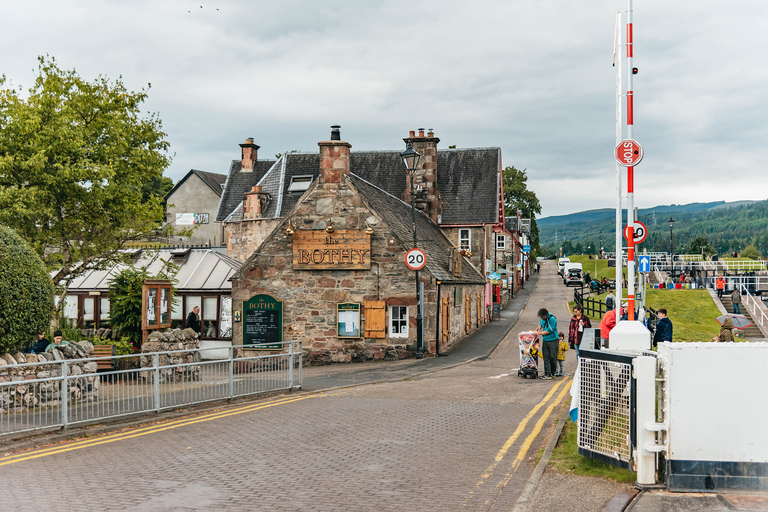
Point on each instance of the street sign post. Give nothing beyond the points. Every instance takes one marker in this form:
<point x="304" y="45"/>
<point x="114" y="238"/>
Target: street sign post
<point x="640" y="232"/>
<point x="415" y="259"/>
<point x="628" y="153"/>
<point x="526" y="248"/>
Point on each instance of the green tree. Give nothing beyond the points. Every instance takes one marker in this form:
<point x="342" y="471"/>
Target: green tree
<point x="75" y="158"/>
<point x="518" y="197"/>
<point x="26" y="293"/>
<point x="698" y="244"/>
<point x="750" y="252"/>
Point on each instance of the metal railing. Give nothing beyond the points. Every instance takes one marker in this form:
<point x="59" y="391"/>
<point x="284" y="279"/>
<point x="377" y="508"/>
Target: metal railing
<point x="606" y="407"/>
<point x="753" y="306"/>
<point x="751" y="283"/>
<point x="35" y="396"/>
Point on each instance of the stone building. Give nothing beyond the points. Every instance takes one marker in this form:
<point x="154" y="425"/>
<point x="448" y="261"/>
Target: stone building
<point x="336" y="245"/>
<point x="192" y="204"/>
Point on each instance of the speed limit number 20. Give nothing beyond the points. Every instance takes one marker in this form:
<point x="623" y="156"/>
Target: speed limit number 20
<point x="415" y="259"/>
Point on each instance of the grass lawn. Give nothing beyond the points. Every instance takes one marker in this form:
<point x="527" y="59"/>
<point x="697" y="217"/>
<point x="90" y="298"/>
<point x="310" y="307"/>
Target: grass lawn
<point x="588" y="265"/>
<point x="566" y="459"/>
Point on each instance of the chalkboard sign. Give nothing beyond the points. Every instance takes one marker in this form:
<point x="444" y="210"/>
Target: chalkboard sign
<point x="263" y="322"/>
<point x="496" y="314"/>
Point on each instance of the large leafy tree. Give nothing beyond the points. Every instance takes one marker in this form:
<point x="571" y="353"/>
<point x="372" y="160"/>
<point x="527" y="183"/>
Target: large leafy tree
<point x="78" y="164"/>
<point x="518" y="197"/>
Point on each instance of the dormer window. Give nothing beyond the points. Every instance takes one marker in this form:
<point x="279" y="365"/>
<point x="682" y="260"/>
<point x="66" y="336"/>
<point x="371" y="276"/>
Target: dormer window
<point x="299" y="183"/>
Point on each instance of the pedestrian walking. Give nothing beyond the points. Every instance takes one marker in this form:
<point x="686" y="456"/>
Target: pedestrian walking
<point x="562" y="348"/>
<point x="663" y="328"/>
<point x="193" y="319"/>
<point x="548" y="331"/>
<point x="736" y="300"/>
<point x="579" y="322"/>
<point x="720" y="285"/>
<point x="610" y="301"/>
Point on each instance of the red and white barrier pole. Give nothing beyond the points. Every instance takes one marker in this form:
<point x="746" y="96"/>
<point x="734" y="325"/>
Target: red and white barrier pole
<point x="630" y="171"/>
<point x="619" y="138"/>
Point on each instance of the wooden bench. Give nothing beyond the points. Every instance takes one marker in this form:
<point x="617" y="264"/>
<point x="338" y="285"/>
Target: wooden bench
<point x="104" y="351"/>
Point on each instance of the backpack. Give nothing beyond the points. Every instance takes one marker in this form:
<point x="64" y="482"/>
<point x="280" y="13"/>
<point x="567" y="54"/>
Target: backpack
<point x="609" y="302"/>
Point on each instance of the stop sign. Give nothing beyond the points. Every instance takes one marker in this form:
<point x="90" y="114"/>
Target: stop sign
<point x="628" y="153"/>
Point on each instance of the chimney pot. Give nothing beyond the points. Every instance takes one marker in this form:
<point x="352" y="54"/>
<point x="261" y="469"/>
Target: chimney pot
<point x="421" y="132"/>
<point x="335" y="133"/>
<point x="256" y="188"/>
<point x="412" y="133"/>
<point x="430" y="133"/>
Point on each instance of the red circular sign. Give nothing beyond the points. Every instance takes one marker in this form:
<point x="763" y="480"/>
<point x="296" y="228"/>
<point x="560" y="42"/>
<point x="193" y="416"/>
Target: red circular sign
<point x="628" y="153"/>
<point x="415" y="259"/>
<point x="640" y="232"/>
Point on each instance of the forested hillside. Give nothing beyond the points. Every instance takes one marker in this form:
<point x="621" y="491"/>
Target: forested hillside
<point x="727" y="227"/>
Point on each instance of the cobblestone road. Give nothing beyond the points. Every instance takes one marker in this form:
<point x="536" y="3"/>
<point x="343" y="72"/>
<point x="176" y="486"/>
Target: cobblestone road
<point x="455" y="439"/>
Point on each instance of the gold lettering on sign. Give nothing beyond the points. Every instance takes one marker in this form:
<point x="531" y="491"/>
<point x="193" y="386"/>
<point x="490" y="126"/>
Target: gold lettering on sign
<point x="345" y="249"/>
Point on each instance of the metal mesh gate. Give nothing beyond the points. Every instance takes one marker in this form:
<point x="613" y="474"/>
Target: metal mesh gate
<point x="606" y="407"/>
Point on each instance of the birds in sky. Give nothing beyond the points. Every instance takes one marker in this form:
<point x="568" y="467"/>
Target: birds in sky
<point x="190" y="12"/>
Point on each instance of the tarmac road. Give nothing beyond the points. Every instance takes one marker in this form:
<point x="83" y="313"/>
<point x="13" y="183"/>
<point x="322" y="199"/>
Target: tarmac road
<point x="445" y="435"/>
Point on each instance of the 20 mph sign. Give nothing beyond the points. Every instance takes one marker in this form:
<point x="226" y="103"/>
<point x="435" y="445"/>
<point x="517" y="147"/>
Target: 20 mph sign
<point x="415" y="259"/>
<point x="629" y="153"/>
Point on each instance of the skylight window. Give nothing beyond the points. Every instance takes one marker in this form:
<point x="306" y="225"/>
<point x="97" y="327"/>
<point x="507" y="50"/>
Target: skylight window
<point x="299" y="183"/>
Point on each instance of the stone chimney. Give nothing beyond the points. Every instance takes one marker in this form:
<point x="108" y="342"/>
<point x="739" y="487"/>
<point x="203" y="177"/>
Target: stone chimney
<point x="249" y="151"/>
<point x="254" y="203"/>
<point x="428" y="197"/>
<point x="334" y="158"/>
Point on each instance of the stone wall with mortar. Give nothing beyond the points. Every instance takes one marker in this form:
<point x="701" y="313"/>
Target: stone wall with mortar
<point x="310" y="297"/>
<point x="244" y="236"/>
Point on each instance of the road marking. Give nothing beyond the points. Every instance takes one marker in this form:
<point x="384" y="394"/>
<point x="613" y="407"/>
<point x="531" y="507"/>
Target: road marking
<point x="535" y="432"/>
<point x="500" y="376"/>
<point x="147" y="430"/>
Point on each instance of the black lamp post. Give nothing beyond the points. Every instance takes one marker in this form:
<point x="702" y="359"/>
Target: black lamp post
<point x="671" y="221"/>
<point x="411" y="159"/>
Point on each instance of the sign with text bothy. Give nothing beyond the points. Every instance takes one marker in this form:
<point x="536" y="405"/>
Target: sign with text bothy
<point x="263" y="322"/>
<point x="343" y="249"/>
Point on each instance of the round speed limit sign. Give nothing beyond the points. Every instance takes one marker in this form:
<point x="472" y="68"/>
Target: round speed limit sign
<point x="415" y="259"/>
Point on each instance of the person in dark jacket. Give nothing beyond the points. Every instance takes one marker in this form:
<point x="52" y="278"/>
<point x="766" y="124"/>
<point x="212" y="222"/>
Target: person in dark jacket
<point x="579" y="322"/>
<point x="663" y="328"/>
<point x="193" y="319"/>
<point x="40" y="346"/>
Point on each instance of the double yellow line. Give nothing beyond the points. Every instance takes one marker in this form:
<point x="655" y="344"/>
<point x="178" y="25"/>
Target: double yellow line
<point x="130" y="434"/>
<point x="529" y="439"/>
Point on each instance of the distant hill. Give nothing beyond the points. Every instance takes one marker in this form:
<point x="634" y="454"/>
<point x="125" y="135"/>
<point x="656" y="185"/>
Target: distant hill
<point x="727" y="226"/>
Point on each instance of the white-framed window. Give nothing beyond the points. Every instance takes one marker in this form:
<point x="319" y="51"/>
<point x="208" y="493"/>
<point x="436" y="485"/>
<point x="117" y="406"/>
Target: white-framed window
<point x="465" y="239"/>
<point x="398" y="321"/>
<point x="299" y="183"/>
<point x="501" y="242"/>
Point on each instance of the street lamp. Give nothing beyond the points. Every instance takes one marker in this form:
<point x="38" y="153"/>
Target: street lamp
<point x="671" y="221"/>
<point x="411" y="159"/>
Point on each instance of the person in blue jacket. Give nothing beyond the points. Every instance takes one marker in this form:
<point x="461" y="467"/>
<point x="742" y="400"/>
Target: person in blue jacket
<point x="549" y="335"/>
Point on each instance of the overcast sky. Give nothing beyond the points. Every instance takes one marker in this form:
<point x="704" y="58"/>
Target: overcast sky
<point x="532" y="77"/>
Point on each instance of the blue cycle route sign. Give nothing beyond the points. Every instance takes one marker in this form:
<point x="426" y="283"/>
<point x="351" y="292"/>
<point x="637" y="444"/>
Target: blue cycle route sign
<point x="526" y="248"/>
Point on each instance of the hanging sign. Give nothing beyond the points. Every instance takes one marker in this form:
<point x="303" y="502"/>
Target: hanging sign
<point x="628" y="153"/>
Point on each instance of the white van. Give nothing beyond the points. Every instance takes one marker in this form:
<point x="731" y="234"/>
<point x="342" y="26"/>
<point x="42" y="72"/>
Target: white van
<point x="572" y="266"/>
<point x="561" y="263"/>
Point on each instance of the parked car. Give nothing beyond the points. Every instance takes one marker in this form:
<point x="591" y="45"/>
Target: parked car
<point x="574" y="276"/>
<point x="561" y="263"/>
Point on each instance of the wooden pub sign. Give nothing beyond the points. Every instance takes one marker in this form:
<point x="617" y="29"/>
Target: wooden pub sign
<point x="263" y="323"/>
<point x="343" y="249"/>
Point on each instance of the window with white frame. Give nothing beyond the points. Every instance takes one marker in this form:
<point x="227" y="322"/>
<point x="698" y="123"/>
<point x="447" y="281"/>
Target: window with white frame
<point x="465" y="239"/>
<point x="398" y="321"/>
<point x="501" y="242"/>
<point x="299" y="183"/>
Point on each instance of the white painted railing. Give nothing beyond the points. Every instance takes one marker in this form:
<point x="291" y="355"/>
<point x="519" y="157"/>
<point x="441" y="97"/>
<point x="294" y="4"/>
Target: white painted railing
<point x="754" y="307"/>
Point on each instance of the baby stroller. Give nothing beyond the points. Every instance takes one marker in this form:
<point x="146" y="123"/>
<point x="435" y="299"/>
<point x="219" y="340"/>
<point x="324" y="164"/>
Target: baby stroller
<point x="529" y="365"/>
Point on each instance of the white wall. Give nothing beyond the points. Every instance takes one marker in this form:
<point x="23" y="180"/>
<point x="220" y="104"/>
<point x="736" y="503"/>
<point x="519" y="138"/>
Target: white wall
<point x="717" y="401"/>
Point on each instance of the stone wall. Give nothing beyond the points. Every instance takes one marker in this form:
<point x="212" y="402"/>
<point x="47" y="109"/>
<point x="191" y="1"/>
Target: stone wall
<point x="244" y="236"/>
<point x="48" y="394"/>
<point x="172" y="340"/>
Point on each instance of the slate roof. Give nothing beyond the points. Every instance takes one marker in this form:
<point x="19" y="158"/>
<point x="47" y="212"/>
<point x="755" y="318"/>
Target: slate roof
<point x="238" y="183"/>
<point x="213" y="180"/>
<point x="397" y="215"/>
<point x="468" y="180"/>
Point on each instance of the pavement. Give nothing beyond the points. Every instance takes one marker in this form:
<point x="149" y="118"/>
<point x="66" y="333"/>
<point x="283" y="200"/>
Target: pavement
<point x="460" y="431"/>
